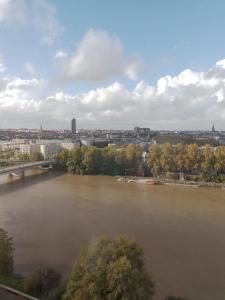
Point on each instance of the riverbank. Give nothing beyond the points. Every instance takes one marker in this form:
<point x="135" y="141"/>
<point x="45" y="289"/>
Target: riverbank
<point x="163" y="181"/>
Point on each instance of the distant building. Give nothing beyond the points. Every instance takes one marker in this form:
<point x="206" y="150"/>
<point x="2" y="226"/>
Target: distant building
<point x="70" y="145"/>
<point x="142" y="131"/>
<point x="73" y="126"/>
<point x="173" y="139"/>
<point x="29" y="148"/>
<point x="221" y="142"/>
<point x="14" y="144"/>
<point x="213" y="128"/>
<point x="87" y="142"/>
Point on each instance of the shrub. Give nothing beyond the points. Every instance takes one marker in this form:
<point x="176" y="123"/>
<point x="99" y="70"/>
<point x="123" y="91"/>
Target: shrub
<point x="41" y="281"/>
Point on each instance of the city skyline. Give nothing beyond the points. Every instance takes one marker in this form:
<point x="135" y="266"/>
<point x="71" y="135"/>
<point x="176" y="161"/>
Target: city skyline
<point x="75" y="60"/>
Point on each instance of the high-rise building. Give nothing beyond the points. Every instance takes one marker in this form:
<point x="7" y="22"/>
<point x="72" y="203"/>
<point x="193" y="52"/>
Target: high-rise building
<point x="73" y="126"/>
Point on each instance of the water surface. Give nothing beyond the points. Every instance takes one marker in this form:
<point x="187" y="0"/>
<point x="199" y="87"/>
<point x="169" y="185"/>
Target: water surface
<point x="182" y="229"/>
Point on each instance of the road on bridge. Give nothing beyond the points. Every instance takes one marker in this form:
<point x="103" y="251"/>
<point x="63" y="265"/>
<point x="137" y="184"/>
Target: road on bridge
<point x="25" y="166"/>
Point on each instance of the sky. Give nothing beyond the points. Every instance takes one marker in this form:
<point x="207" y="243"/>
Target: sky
<point x="112" y="64"/>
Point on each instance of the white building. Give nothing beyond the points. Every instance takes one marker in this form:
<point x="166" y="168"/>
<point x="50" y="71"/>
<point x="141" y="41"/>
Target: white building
<point x="29" y="148"/>
<point x="14" y="144"/>
<point x="70" y="145"/>
<point x="87" y="142"/>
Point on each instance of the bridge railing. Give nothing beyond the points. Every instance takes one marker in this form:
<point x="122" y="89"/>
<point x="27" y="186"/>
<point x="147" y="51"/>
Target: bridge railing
<point x="20" y="295"/>
<point x="24" y="166"/>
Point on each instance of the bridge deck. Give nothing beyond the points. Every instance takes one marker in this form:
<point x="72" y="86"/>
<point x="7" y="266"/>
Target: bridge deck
<point x="24" y="166"/>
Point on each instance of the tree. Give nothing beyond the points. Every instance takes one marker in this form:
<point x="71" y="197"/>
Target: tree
<point x="37" y="156"/>
<point x="74" y="164"/>
<point x="62" y="158"/>
<point x="167" y="157"/>
<point x="6" y="254"/>
<point x="134" y="157"/>
<point x="208" y="159"/>
<point x="92" y="160"/>
<point x="153" y="160"/>
<point x="121" y="161"/>
<point x="180" y="157"/>
<point x="110" y="270"/>
<point x="220" y="159"/>
<point x="193" y="158"/>
<point x="41" y="281"/>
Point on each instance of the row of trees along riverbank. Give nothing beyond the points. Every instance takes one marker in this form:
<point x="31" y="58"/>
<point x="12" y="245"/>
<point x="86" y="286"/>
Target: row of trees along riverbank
<point x="107" y="269"/>
<point x="206" y="163"/>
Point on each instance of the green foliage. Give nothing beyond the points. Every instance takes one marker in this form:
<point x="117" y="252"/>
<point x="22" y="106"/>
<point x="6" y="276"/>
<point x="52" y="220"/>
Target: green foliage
<point x="57" y="293"/>
<point x="6" y="254"/>
<point x="110" y="270"/>
<point x="161" y="160"/>
<point x="41" y="281"/>
<point x="62" y="159"/>
<point x="36" y="156"/>
<point x="14" y="281"/>
<point x="220" y="159"/>
<point x="108" y="161"/>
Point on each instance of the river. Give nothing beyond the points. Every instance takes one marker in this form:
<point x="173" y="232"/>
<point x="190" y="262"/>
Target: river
<point x="182" y="229"/>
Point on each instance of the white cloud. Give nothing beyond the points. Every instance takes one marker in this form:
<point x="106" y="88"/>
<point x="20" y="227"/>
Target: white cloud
<point x="45" y="21"/>
<point x="188" y="100"/>
<point x="98" y="57"/>
<point x="2" y="67"/>
<point x="2" y="64"/>
<point x="38" y="15"/>
<point x="30" y="68"/>
<point x="60" y="54"/>
<point x="12" y="11"/>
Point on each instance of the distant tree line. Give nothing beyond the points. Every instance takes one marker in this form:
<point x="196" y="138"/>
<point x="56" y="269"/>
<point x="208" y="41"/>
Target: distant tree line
<point x="107" y="269"/>
<point x="158" y="161"/>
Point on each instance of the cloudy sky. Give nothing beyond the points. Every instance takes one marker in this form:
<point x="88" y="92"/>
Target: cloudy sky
<point x="112" y="64"/>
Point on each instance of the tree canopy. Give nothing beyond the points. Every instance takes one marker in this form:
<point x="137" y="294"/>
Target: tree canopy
<point x="159" y="160"/>
<point x="41" y="281"/>
<point x="110" y="270"/>
<point x="6" y="254"/>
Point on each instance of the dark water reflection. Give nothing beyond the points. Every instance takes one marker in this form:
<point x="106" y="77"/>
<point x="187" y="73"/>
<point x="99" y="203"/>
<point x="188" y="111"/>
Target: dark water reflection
<point x="51" y="216"/>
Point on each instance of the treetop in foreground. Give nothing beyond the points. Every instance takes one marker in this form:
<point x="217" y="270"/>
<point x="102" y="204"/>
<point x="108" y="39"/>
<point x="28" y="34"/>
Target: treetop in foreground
<point x="6" y="253"/>
<point x="110" y="270"/>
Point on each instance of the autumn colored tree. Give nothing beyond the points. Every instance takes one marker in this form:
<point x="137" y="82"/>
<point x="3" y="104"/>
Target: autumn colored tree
<point x="154" y="159"/>
<point x="208" y="159"/>
<point x="110" y="270"/>
<point x="193" y="158"/>
<point x="220" y="159"/>
<point x="180" y="154"/>
<point x="167" y="157"/>
<point x="134" y="157"/>
<point x="62" y="158"/>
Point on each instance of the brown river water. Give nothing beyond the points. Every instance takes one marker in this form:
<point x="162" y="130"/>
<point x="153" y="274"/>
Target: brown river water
<point x="182" y="229"/>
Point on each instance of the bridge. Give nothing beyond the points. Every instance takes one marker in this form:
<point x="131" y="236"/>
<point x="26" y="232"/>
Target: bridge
<point x="19" y="170"/>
